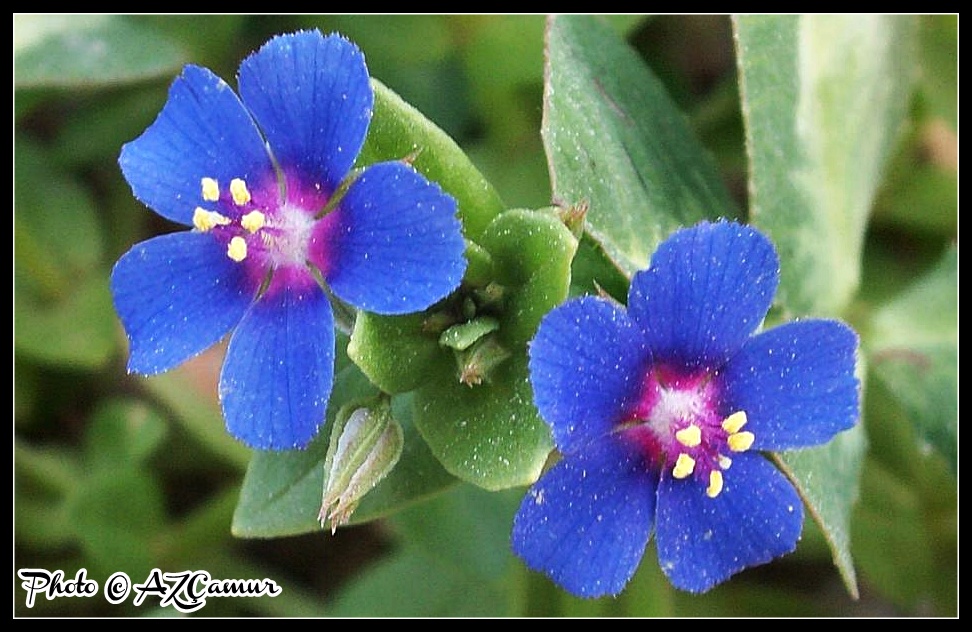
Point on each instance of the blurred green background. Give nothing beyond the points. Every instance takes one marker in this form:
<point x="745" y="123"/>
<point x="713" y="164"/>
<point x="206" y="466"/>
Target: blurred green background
<point x="119" y="473"/>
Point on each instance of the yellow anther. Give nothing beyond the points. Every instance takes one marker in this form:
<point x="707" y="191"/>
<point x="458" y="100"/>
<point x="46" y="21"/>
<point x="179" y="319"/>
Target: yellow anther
<point x="205" y="220"/>
<point x="734" y="422"/>
<point x="724" y="462"/>
<point x="741" y="441"/>
<point x="253" y="221"/>
<point x="236" y="249"/>
<point x="715" y="484"/>
<point x="241" y="195"/>
<point x="210" y="189"/>
<point x="689" y="436"/>
<point x="684" y="466"/>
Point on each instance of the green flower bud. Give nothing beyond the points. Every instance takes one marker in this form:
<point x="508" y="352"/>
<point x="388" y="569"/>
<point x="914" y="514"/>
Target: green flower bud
<point x="366" y="443"/>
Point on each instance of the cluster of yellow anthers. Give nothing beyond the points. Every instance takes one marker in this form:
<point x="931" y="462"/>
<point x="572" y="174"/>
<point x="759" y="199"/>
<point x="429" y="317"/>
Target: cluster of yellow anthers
<point x="206" y="220"/>
<point x="691" y="436"/>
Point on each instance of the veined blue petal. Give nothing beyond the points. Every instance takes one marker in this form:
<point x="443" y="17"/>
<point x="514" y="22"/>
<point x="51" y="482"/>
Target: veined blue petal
<point x="703" y="541"/>
<point x="202" y="131"/>
<point x="796" y="383"/>
<point x="177" y="295"/>
<point x="393" y="245"/>
<point x="312" y="98"/>
<point x="279" y="370"/>
<point x="706" y="291"/>
<point x="586" y="364"/>
<point x="586" y="522"/>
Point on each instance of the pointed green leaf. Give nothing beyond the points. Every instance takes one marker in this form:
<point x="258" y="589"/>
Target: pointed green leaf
<point x="828" y="479"/>
<point x="913" y="350"/>
<point x="400" y="132"/>
<point x="823" y="99"/>
<point x="87" y="51"/>
<point x="615" y="140"/>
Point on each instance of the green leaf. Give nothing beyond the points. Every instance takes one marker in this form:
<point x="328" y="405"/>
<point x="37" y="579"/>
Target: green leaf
<point x="823" y="99"/>
<point x="896" y="515"/>
<point x="828" y="479"/>
<point x="532" y="253"/>
<point x="490" y="434"/>
<point x="615" y="140"/>
<point x="453" y="560"/>
<point x="909" y="505"/>
<point x="63" y="312"/>
<point x="78" y="331"/>
<point x="913" y="349"/>
<point x="939" y="77"/>
<point x="411" y="583"/>
<point x="400" y="132"/>
<point x="57" y="235"/>
<point x="282" y="491"/>
<point x="395" y="352"/>
<point x="122" y="432"/>
<point x="88" y="51"/>
<point x="467" y="527"/>
<point x="117" y="535"/>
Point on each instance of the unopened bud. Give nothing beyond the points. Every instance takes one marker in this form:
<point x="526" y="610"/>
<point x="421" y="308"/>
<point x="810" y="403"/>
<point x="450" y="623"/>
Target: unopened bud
<point x="366" y="443"/>
<point x="476" y="364"/>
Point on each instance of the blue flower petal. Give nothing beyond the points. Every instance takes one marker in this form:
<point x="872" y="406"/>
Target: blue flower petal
<point x="312" y="98"/>
<point x="203" y="131"/>
<point x="703" y="541"/>
<point x="393" y="245"/>
<point x="586" y="522"/>
<point x="177" y="295"/>
<point x="586" y="363"/>
<point x="706" y="291"/>
<point x="796" y="383"/>
<point x="278" y="371"/>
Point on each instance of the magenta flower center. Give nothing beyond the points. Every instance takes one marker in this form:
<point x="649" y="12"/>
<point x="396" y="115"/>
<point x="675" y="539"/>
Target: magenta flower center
<point x="259" y="231"/>
<point x="678" y="425"/>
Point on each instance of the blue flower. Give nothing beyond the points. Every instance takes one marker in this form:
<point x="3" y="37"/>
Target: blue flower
<point x="660" y="412"/>
<point x="265" y="180"/>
